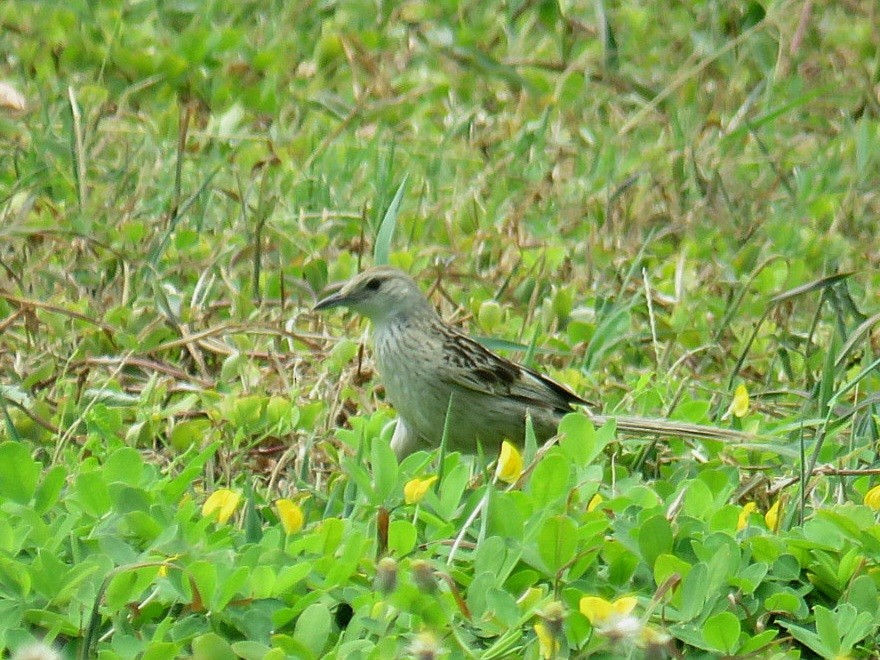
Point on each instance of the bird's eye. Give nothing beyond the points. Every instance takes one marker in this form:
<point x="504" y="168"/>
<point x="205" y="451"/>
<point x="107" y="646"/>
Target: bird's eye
<point x="373" y="285"/>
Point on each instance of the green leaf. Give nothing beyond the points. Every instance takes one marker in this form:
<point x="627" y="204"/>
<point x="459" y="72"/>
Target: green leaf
<point x="609" y="43"/>
<point x="248" y="412"/>
<point x="289" y="576"/>
<point x="666" y="565"/>
<point x="142" y="525"/>
<point x="750" y="578"/>
<point x="725" y="519"/>
<point x="530" y="446"/>
<point x="452" y="487"/>
<point x="655" y="538"/>
<point x="832" y="626"/>
<point x="46" y="620"/>
<point x="857" y="626"/>
<point x="345" y="563"/>
<point x="757" y="642"/>
<point x="341" y="355"/>
<point x="211" y="646"/>
<point x="253" y="523"/>
<point x="499" y="344"/>
<point x="92" y="493"/>
<point x="786" y="568"/>
<point x="622" y="562"/>
<point x="18" y="472"/>
<point x="721" y="632"/>
<point x="292" y="647"/>
<point x="698" y="499"/>
<point x="808" y="638"/>
<point x="175" y="488"/>
<point x="505" y="517"/>
<point x="332" y="531"/>
<point x="862" y="594"/>
<point x="50" y="489"/>
<point x="189" y="433"/>
<point x="503" y="606"/>
<point x="229" y="587"/>
<point x="204" y="575"/>
<point x="384" y="464"/>
<point x="386" y="228"/>
<point x="313" y="628"/>
<point x="105" y="419"/>
<point x="611" y="331"/>
<point x="693" y="591"/>
<point x="254" y="651"/>
<point x="557" y="543"/>
<point x="127" y="586"/>
<point x="549" y="482"/>
<point x="477" y="592"/>
<point x="124" y="465"/>
<point x="48" y="570"/>
<point x="402" y="537"/>
<point x="579" y="440"/>
<point x="262" y="582"/>
<point x="496" y="556"/>
<point x="809" y="287"/>
<point x="162" y="651"/>
<point x="784" y="601"/>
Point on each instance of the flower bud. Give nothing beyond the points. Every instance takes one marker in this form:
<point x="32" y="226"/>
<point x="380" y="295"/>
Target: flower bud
<point x="386" y="575"/>
<point x="423" y="576"/>
<point x="425" y="647"/>
<point x="553" y="615"/>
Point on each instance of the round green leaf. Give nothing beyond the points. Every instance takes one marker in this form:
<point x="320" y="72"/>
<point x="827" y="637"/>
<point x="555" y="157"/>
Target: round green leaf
<point x="211" y="646"/>
<point x="402" y="536"/>
<point x="557" y="542"/>
<point x="313" y="627"/>
<point x="721" y="632"/>
<point x="655" y="538"/>
<point x="18" y="472"/>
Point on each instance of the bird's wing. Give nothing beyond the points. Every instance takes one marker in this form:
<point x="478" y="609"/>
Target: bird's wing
<point x="476" y="368"/>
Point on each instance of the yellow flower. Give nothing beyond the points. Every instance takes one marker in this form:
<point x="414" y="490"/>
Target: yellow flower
<point x="613" y="620"/>
<point x="415" y="489"/>
<point x="872" y="498"/>
<point x="290" y="515"/>
<point x="595" y="501"/>
<point x="747" y="510"/>
<point x="510" y="463"/>
<point x="739" y="407"/>
<point x="547" y="643"/>
<point x="772" y="516"/>
<point x="224" y="502"/>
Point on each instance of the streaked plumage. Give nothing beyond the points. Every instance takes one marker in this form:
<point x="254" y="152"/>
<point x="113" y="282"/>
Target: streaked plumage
<point x="424" y="363"/>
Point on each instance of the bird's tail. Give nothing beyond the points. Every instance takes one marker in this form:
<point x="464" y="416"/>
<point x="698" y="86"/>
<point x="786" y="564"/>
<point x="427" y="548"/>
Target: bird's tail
<point x="671" y="428"/>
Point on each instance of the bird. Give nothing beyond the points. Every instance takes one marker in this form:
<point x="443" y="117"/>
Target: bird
<point x="442" y="382"/>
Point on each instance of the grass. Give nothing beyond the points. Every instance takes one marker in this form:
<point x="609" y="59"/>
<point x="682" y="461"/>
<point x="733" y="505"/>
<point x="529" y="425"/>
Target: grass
<point x="654" y="203"/>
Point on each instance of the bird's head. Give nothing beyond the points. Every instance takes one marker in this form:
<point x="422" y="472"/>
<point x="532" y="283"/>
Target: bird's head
<point x="380" y="293"/>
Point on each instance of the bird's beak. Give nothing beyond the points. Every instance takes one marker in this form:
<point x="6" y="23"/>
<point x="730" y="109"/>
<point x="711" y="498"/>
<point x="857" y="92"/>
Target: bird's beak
<point x="335" y="300"/>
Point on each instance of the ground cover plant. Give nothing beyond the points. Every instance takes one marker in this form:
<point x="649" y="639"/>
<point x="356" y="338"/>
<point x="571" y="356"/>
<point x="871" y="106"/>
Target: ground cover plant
<point x="669" y="207"/>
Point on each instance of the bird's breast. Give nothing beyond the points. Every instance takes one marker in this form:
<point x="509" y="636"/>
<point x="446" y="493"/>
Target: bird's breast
<point x="407" y="360"/>
<point x="420" y="381"/>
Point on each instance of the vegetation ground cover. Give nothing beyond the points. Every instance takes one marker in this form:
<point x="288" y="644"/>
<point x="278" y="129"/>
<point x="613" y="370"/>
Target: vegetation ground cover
<point x="670" y="207"/>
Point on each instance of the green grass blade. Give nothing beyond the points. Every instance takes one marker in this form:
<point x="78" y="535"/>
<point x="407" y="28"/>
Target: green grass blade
<point x="389" y="224"/>
<point x="815" y="285"/>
